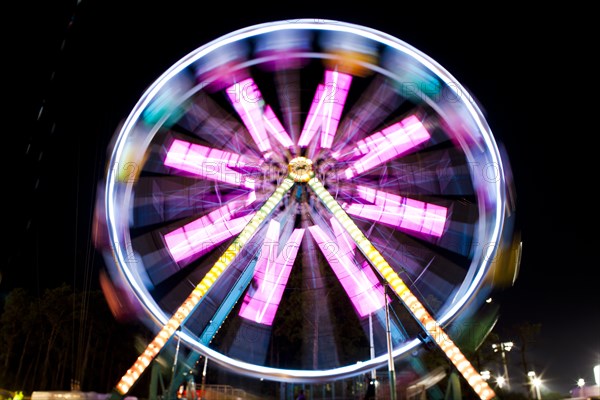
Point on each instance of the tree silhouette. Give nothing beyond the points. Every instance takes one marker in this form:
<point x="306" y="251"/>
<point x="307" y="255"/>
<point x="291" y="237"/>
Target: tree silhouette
<point x="11" y="330"/>
<point x="527" y="332"/>
<point x="61" y="337"/>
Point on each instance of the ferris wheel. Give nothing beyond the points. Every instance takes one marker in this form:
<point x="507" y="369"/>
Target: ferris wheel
<point x="277" y="190"/>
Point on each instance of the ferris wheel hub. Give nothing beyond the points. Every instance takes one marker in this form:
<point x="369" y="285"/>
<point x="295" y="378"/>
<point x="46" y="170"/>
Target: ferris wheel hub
<point x="301" y="169"/>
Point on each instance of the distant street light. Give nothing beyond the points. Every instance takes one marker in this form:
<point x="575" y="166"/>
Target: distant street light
<point x="485" y="375"/>
<point x="503" y="348"/>
<point x="581" y="384"/>
<point x="535" y="383"/>
<point x="500" y="381"/>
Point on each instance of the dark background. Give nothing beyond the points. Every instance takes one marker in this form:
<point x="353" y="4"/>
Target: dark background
<point x="85" y="65"/>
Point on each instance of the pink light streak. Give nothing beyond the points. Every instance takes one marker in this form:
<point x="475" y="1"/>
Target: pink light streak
<point x="203" y="234"/>
<point x="275" y="128"/>
<point x="391" y="142"/>
<point x="399" y="212"/>
<point x="359" y="283"/>
<point x="343" y="240"/>
<point x="247" y="101"/>
<point x="271" y="274"/>
<point x="209" y="163"/>
<point x="326" y="109"/>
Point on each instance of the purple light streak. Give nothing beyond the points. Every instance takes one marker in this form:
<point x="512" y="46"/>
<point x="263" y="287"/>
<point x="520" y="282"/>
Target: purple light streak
<point x="247" y="101"/>
<point x="209" y="163"/>
<point x="359" y="283"/>
<point x="203" y="234"/>
<point x="275" y="128"/>
<point x="391" y="142"/>
<point x="326" y="109"/>
<point x="271" y="274"/>
<point x="399" y="212"/>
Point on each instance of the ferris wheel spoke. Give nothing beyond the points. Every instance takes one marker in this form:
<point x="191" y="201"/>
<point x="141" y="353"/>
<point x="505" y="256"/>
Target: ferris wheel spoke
<point x="275" y="128"/>
<point x="377" y="102"/>
<point x="211" y="163"/>
<point x="249" y="108"/>
<point x="326" y="109"/>
<point x="358" y="281"/>
<point x="259" y="119"/>
<point x="385" y="145"/>
<point x="418" y="180"/>
<point x="433" y="172"/>
<point x="203" y="235"/>
<point x="271" y="275"/>
<point x="288" y="94"/>
<point x="165" y="199"/>
<point x="403" y="213"/>
<point x="199" y="236"/>
<point x="184" y="243"/>
<point x="451" y="236"/>
<point x="428" y="273"/>
<point x="208" y="121"/>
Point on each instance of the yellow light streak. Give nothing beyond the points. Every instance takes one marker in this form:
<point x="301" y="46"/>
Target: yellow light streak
<point x="169" y="329"/>
<point x="418" y="311"/>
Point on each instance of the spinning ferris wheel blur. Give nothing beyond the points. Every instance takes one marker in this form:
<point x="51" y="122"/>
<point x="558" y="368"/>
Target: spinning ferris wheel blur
<point x="283" y="175"/>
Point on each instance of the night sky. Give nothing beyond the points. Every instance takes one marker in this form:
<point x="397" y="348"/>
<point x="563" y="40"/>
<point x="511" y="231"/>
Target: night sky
<point x="87" y="64"/>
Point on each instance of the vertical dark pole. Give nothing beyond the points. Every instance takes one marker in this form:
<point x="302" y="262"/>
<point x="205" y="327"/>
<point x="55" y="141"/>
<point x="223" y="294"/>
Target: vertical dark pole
<point x="388" y="334"/>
